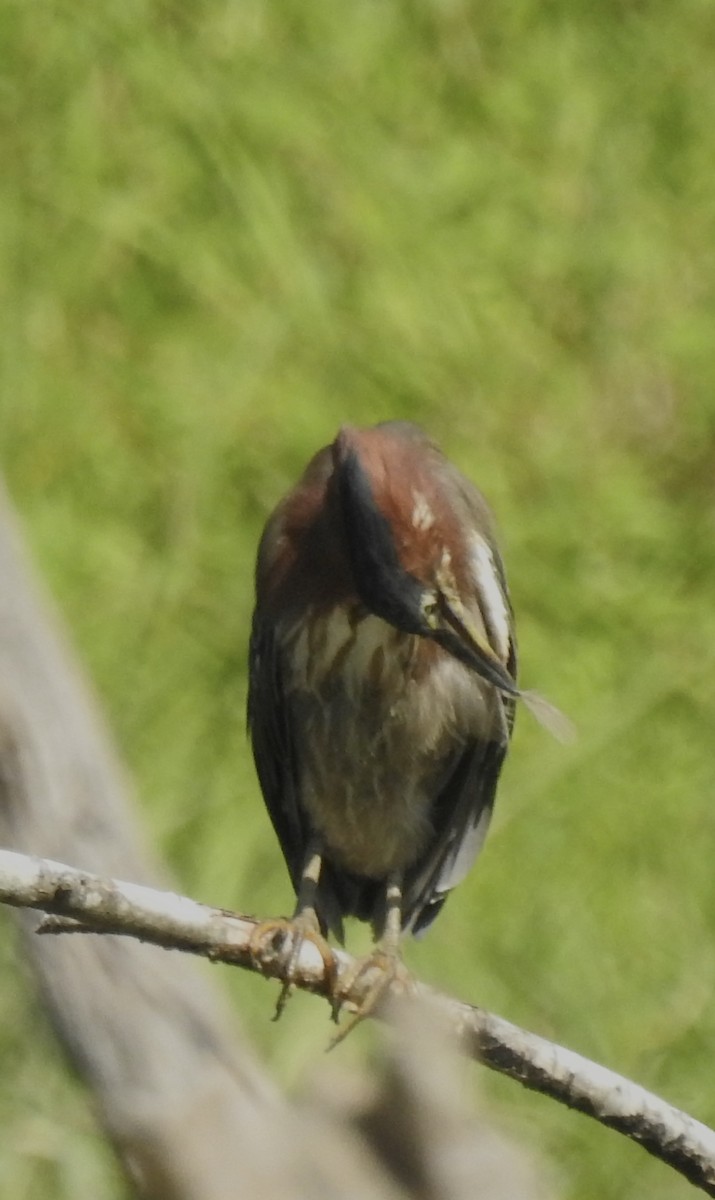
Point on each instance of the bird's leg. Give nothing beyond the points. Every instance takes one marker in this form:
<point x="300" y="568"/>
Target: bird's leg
<point x="303" y="926"/>
<point x="384" y="962"/>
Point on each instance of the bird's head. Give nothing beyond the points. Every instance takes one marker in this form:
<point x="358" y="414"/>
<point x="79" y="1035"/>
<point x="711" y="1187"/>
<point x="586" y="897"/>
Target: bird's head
<point x="409" y="534"/>
<point x="420" y="545"/>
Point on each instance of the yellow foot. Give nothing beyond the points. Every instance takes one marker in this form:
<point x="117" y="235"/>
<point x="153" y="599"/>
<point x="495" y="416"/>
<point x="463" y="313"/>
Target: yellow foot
<point x="374" y="975"/>
<point x="281" y="939"/>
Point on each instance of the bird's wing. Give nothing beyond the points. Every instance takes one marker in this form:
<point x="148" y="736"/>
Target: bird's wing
<point x="273" y="748"/>
<point x="460" y="815"/>
<point x="465" y="799"/>
<point x="463" y="807"/>
<point x="271" y="724"/>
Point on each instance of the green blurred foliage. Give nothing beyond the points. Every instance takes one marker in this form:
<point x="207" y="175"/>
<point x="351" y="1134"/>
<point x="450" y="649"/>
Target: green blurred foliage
<point x="227" y="227"/>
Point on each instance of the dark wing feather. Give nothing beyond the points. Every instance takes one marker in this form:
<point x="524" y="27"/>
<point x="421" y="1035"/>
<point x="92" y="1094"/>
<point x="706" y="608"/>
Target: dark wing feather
<point x="276" y="758"/>
<point x="461" y="816"/>
<point x="461" y="812"/>
<point x="273" y="748"/>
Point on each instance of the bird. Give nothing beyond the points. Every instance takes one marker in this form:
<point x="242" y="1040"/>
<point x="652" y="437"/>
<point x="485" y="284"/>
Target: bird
<point x="382" y="688"/>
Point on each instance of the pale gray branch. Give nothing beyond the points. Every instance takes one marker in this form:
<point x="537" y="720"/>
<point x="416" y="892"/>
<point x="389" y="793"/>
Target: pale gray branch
<point x="176" y="922"/>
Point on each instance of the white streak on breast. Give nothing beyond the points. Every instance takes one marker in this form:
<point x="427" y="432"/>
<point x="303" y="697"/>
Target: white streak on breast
<point x="490" y="593"/>
<point x="422" y="515"/>
<point x="310" y="661"/>
<point x="373" y="728"/>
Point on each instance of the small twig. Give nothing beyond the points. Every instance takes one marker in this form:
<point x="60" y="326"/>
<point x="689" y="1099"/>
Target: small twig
<point x="80" y="903"/>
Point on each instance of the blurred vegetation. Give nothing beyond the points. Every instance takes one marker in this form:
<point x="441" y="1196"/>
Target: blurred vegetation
<point x="227" y="227"/>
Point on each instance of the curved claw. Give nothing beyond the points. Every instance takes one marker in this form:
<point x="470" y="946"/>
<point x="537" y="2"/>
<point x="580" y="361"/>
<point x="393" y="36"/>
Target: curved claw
<point x="293" y="932"/>
<point x="387" y="963"/>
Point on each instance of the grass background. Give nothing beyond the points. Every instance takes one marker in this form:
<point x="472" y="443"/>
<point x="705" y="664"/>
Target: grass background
<point x="227" y="227"/>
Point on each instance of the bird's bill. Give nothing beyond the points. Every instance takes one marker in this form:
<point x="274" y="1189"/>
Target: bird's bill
<point x="481" y="657"/>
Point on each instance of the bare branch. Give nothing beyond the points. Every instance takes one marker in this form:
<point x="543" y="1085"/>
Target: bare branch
<point x="83" y="902"/>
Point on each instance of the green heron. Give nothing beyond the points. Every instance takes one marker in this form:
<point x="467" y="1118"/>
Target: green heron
<point x="382" y="683"/>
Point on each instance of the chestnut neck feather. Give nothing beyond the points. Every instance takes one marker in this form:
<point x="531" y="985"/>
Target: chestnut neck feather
<point x="345" y="535"/>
